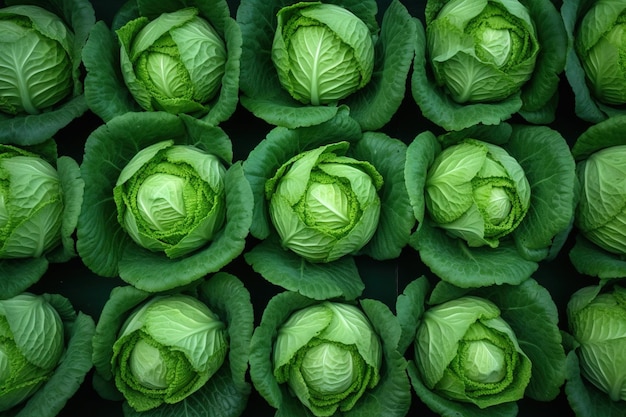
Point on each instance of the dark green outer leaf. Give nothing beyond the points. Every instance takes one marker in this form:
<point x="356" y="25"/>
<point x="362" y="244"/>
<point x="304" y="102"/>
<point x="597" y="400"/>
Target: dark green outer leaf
<point x="585" y="399"/>
<point x="396" y="218"/>
<point x="590" y="259"/>
<point x="420" y="154"/>
<point x="392" y="396"/>
<point x="410" y="306"/>
<point x="73" y="188"/>
<point x="278" y="147"/>
<point x="376" y="104"/>
<point x="456" y="263"/>
<point x="550" y="169"/>
<point x="551" y="35"/>
<point x="17" y="275"/>
<point x="599" y="136"/>
<point x="33" y="129"/>
<point x="105" y="91"/>
<point x="437" y="106"/>
<point x="527" y="303"/>
<point x="286" y="269"/>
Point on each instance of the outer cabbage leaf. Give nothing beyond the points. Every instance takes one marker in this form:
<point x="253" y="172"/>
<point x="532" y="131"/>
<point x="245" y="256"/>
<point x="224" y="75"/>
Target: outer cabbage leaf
<point x="107" y="250"/>
<point x="33" y="129"/>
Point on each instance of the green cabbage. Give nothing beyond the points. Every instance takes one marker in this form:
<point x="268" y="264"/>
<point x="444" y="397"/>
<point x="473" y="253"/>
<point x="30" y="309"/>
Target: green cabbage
<point x="477" y="191"/>
<point x="167" y="349"/>
<point x="597" y="321"/>
<point x="173" y="63"/>
<point x="466" y="352"/>
<point x="483" y="50"/>
<point x="322" y="52"/>
<point x="171" y="198"/>
<point x="323" y="204"/>
<point x="31" y="346"/>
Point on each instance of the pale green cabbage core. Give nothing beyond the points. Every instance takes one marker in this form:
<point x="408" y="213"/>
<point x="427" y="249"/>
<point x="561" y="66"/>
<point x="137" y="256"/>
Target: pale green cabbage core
<point x="31" y="204"/>
<point x="477" y="192"/>
<point x="167" y="349"/>
<point x="328" y="369"/>
<point x="171" y="198"/>
<point x="173" y="63"/>
<point x="147" y="366"/>
<point x="324" y="205"/>
<point x="35" y="70"/>
<point x="465" y="351"/>
<point x="329" y="355"/>
<point x="598" y="323"/>
<point x="322" y="52"/>
<point x="601" y="46"/>
<point x="482" y="51"/>
<point x="601" y="211"/>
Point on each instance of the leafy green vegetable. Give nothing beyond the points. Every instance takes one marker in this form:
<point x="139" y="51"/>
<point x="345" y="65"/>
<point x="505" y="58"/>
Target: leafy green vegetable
<point x="326" y="193"/>
<point x="483" y="61"/>
<point x="436" y="194"/>
<point x="40" y="197"/>
<point x="322" y="52"/>
<point x="45" y="351"/>
<point x="286" y="80"/>
<point x="477" y="191"/>
<point x="597" y="321"/>
<point x="178" y="352"/>
<point x="171" y="198"/>
<point x="595" y="69"/>
<point x="188" y="219"/>
<point x="599" y="248"/>
<point x="170" y="56"/>
<point x="40" y="65"/>
<point x="478" y="351"/>
<point x="320" y="358"/>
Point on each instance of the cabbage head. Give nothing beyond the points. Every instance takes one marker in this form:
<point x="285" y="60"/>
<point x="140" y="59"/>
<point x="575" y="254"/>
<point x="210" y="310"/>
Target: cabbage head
<point x="171" y="198"/>
<point x="601" y="47"/>
<point x="597" y="320"/>
<point x="466" y="352"/>
<point x="324" y="205"/>
<point x="601" y="211"/>
<point x="329" y="355"/>
<point x="31" y="204"/>
<point x="482" y="51"/>
<point x="35" y="60"/>
<point x="31" y="346"/>
<point x="173" y="63"/>
<point x="476" y="191"/>
<point x="322" y="52"/>
<point x="167" y="349"/>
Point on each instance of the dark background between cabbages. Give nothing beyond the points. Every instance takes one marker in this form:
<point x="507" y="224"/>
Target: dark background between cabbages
<point x="383" y="280"/>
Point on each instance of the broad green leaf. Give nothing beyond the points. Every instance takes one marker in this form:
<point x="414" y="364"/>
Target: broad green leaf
<point x="339" y="278"/>
<point x="589" y="259"/>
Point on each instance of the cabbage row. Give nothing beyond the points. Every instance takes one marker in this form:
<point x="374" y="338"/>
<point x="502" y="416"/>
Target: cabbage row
<point x="305" y="145"/>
